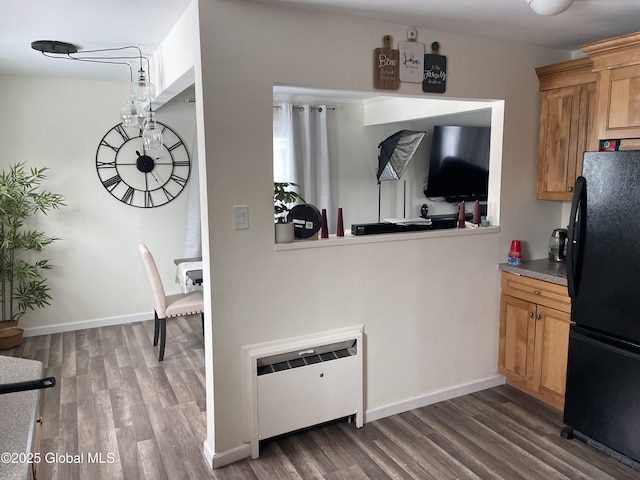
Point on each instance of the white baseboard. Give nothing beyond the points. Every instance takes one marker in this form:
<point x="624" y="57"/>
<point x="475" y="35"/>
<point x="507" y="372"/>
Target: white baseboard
<point x="432" y="397"/>
<point x="82" y="325"/>
<point x="229" y="456"/>
<point x="244" y="451"/>
<point x="207" y="452"/>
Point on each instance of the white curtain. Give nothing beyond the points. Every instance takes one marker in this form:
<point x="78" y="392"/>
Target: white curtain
<point x="193" y="240"/>
<point x="301" y="153"/>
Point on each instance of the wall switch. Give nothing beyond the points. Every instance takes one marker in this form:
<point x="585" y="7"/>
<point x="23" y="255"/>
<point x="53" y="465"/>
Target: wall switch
<point x="240" y="217"/>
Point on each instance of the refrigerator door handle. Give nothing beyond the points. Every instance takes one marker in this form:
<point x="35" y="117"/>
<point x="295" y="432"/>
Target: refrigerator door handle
<point x="575" y="240"/>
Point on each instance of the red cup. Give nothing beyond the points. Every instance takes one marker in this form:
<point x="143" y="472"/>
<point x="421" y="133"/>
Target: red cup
<point x="515" y="246"/>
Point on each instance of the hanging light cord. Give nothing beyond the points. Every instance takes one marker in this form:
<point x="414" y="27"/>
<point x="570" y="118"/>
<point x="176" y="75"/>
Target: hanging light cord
<point x="130" y="114"/>
<point x="80" y="57"/>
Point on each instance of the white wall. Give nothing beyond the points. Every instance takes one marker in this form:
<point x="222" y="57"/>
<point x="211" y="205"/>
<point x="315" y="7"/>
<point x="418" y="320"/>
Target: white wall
<point x="58" y="123"/>
<point x="429" y="306"/>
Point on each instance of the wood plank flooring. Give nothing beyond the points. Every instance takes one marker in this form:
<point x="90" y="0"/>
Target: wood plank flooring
<point x="147" y="421"/>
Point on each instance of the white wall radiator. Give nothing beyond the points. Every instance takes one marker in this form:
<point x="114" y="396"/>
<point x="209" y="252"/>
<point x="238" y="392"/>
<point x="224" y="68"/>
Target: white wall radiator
<point x="304" y="381"/>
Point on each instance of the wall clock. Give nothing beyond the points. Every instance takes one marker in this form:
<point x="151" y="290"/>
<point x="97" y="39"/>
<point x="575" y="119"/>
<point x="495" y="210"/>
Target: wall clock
<point x="140" y="178"/>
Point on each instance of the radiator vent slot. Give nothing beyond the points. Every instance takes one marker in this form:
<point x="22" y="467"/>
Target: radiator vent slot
<point x="305" y="357"/>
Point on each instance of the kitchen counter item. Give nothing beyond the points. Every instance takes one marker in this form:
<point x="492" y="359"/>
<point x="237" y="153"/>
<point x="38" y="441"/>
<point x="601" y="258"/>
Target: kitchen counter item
<point x="17" y="413"/>
<point x="541" y="269"/>
<point x="515" y="253"/>
<point x="558" y="245"/>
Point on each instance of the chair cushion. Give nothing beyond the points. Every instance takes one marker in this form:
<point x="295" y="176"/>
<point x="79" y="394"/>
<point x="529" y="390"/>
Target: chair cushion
<point x="181" y="304"/>
<point x="154" y="277"/>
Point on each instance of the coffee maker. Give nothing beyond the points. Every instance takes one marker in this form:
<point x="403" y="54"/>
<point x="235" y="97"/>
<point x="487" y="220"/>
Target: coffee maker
<point x="558" y="245"/>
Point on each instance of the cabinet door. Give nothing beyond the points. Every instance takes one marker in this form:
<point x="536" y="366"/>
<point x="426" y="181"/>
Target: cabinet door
<point x="557" y="147"/>
<point x="619" y="103"/>
<point x="517" y="336"/>
<point x="587" y="136"/>
<point x="551" y="347"/>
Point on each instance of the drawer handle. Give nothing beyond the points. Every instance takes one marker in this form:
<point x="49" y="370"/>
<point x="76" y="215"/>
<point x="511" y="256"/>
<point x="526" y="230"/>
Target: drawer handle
<point x="537" y="292"/>
<point x="530" y="314"/>
<point x="570" y="189"/>
<point x="538" y="316"/>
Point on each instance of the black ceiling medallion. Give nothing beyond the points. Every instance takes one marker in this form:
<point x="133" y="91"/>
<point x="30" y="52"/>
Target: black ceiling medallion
<point x="54" y="46"/>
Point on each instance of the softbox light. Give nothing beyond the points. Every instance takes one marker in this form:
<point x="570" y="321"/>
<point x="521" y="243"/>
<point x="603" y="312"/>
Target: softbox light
<point x="395" y="154"/>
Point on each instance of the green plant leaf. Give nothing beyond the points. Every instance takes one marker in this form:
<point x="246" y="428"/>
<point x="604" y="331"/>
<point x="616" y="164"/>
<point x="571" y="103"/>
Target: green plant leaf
<point x="22" y="285"/>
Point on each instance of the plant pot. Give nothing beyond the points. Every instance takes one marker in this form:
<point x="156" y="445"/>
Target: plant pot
<point x="8" y="324"/>
<point x="10" y="337"/>
<point x="284" y="232"/>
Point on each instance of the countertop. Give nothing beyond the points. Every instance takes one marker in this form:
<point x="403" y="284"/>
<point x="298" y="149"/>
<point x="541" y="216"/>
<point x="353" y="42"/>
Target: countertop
<point x="541" y="269"/>
<point x="17" y="415"/>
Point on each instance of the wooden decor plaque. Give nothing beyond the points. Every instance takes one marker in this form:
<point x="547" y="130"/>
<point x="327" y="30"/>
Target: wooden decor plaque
<point x="435" y="71"/>
<point x="411" y="58"/>
<point x="386" y="66"/>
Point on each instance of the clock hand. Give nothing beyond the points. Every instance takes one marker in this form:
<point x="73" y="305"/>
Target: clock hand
<point x="145" y="154"/>
<point x="154" y="176"/>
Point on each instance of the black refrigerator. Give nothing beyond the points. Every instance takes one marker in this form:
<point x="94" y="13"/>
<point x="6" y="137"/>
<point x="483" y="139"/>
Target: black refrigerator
<point x="602" y="401"/>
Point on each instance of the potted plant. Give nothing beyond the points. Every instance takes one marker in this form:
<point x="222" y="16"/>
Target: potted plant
<point x="22" y="285"/>
<point x="284" y="197"/>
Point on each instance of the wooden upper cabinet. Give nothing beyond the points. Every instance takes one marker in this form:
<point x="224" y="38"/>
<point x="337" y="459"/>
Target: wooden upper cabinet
<point x="567" y="121"/>
<point x="617" y="64"/>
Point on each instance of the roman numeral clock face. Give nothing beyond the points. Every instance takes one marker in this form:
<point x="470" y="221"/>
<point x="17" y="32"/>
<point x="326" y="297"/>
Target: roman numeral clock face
<point x="138" y="177"/>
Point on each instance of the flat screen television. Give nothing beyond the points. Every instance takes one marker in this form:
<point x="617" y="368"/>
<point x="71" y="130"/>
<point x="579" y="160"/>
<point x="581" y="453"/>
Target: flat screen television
<point x="459" y="163"/>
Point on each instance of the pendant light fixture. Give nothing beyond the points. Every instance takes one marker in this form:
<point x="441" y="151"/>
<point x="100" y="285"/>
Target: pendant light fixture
<point x="151" y="134"/>
<point x="133" y="113"/>
<point x="549" y="7"/>
<point x="142" y="89"/>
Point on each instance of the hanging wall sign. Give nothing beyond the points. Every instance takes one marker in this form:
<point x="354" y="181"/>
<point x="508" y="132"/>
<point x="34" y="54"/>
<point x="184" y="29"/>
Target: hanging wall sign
<point x="435" y="71"/>
<point x="386" y="66"/>
<point x="411" y="58"/>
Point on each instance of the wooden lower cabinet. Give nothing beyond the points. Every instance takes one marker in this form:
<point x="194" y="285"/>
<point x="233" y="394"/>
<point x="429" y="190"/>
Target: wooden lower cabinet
<point x="534" y="337"/>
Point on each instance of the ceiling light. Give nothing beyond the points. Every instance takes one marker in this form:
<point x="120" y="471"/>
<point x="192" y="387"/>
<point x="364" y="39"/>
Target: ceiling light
<point x="142" y="91"/>
<point x="151" y="134"/>
<point x="549" y="7"/>
<point x="132" y="113"/>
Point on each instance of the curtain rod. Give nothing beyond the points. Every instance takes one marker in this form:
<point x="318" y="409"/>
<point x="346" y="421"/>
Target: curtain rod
<point x="278" y="107"/>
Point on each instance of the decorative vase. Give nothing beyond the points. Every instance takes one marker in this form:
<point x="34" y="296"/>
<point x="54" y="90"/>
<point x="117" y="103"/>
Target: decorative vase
<point x="461" y="216"/>
<point x="340" y="225"/>
<point x="324" y="230"/>
<point x="284" y="232"/>
<point x="476" y="213"/>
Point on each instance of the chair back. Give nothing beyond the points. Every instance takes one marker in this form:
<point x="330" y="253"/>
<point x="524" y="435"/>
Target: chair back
<point x="156" y="282"/>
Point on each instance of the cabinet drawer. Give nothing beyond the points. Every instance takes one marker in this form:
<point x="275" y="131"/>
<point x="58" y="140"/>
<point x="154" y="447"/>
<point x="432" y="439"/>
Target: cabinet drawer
<point x="536" y="291"/>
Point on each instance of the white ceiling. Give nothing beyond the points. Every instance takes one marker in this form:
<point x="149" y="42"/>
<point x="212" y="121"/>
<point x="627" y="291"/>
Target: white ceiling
<point x="102" y="24"/>
<point x="89" y="24"/>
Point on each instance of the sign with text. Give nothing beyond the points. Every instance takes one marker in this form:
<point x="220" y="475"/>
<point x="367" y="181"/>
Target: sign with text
<point x="435" y="73"/>
<point x="386" y="66"/>
<point x="411" y="61"/>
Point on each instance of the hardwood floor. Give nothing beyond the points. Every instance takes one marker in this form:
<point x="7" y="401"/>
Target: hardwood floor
<point x="147" y="420"/>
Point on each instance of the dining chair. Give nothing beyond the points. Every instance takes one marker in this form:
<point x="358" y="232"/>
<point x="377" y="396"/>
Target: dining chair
<point x="168" y="306"/>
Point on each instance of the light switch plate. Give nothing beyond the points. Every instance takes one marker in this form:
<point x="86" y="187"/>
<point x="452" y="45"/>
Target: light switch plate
<point x="240" y="217"/>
